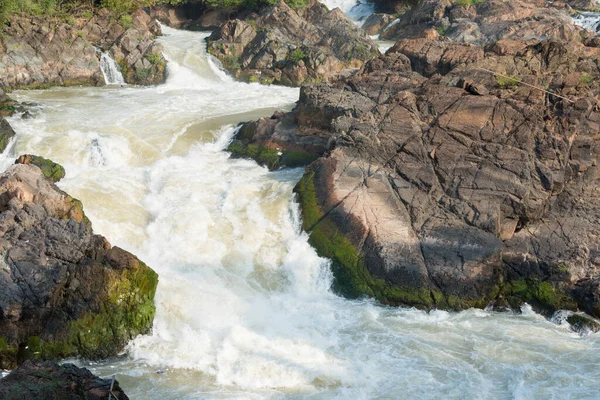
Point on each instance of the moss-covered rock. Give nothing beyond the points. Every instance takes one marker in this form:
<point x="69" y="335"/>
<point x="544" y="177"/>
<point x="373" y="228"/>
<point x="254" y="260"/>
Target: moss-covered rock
<point x="6" y="133"/>
<point x="51" y="170"/>
<point x="269" y="157"/>
<point x="583" y="324"/>
<point x="89" y="299"/>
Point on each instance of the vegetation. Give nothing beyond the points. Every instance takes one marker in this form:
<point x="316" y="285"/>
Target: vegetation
<point x="467" y="3"/>
<point x="297" y="55"/>
<point x="506" y="82"/>
<point x="586" y="78"/>
<point x="121" y="7"/>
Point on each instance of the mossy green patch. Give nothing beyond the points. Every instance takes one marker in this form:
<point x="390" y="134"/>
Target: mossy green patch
<point x="51" y="170"/>
<point x="269" y="157"/>
<point x="127" y="312"/>
<point x="541" y="295"/>
<point x="261" y="154"/>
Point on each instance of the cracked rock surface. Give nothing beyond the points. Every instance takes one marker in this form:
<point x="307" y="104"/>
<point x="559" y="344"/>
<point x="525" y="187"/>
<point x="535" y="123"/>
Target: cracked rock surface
<point x="444" y="186"/>
<point x="37" y="53"/>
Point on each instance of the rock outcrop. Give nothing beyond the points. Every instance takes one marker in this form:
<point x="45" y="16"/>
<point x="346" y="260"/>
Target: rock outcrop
<point x="194" y="16"/>
<point x="64" y="291"/>
<point x="37" y="53"/>
<point x="446" y="186"/>
<point x="289" y="46"/>
<point x="486" y="21"/>
<point x="47" y="381"/>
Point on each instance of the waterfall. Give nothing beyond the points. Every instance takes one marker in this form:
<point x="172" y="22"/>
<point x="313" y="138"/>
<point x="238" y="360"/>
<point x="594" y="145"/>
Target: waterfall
<point x="110" y="70"/>
<point x="588" y="20"/>
<point x="243" y="306"/>
<point x="356" y="10"/>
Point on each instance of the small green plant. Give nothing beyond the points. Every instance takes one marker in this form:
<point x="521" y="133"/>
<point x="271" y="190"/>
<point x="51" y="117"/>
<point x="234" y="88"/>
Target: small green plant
<point x="80" y="34"/>
<point x="586" y="78"/>
<point x="361" y="52"/>
<point x="506" y="82"/>
<point x="252" y="79"/>
<point x="297" y="3"/>
<point x="126" y="21"/>
<point x="441" y="30"/>
<point x="154" y="58"/>
<point x="86" y="14"/>
<point x="141" y="74"/>
<point x="231" y="61"/>
<point x="297" y="55"/>
<point x="467" y="3"/>
<point x="252" y="23"/>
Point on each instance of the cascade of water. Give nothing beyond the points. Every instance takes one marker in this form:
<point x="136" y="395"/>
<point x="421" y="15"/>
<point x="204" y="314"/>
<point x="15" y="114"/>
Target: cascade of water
<point x="110" y="70"/>
<point x="244" y="309"/>
<point x="588" y="20"/>
<point x="356" y="10"/>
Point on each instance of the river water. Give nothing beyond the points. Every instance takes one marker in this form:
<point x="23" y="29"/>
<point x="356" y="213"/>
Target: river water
<point x="244" y="309"/>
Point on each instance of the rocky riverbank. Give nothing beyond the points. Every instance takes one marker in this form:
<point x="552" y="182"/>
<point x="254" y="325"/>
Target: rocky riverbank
<point x="37" y="52"/>
<point x="442" y="185"/>
<point x="65" y="291"/>
<point x="288" y="46"/>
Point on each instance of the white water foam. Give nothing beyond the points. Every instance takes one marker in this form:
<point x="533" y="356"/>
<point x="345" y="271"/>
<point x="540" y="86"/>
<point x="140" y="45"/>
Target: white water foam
<point x="110" y="70"/>
<point x="588" y="20"/>
<point x="356" y="10"/>
<point x="244" y="309"/>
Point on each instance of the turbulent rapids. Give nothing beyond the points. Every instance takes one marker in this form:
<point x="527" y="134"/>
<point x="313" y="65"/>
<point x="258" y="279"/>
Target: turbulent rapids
<point x="244" y="309"/>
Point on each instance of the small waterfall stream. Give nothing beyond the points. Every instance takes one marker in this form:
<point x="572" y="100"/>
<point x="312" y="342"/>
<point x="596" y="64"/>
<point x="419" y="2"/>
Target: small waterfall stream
<point x="110" y="70"/>
<point x="588" y="20"/>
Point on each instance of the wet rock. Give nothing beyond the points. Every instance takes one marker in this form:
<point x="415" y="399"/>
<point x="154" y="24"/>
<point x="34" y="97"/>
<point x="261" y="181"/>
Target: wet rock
<point x="48" y="381"/>
<point x="583" y="324"/>
<point x="38" y="53"/>
<point x="275" y="142"/>
<point x="64" y="291"/>
<point x="6" y="133"/>
<point x="289" y="46"/>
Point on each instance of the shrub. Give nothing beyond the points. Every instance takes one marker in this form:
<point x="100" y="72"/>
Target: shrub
<point x="297" y="55"/>
<point x="126" y="21"/>
<point x="586" y="78"/>
<point x="467" y="3"/>
<point x="506" y="82"/>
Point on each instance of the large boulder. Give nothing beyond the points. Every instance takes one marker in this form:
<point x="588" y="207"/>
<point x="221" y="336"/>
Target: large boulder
<point x="47" y="381"/>
<point x="289" y="46"/>
<point x="64" y="291"/>
<point x="464" y="188"/>
<point x="37" y="52"/>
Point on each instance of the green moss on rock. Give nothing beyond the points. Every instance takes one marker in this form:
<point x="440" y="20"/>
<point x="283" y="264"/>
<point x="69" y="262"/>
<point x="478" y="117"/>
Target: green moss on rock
<point x="541" y="295"/>
<point x="51" y="170"/>
<point x="269" y="157"/>
<point x="127" y="311"/>
<point x="6" y="133"/>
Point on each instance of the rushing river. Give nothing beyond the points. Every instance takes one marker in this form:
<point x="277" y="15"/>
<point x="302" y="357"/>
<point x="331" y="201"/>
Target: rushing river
<point x="244" y="309"/>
